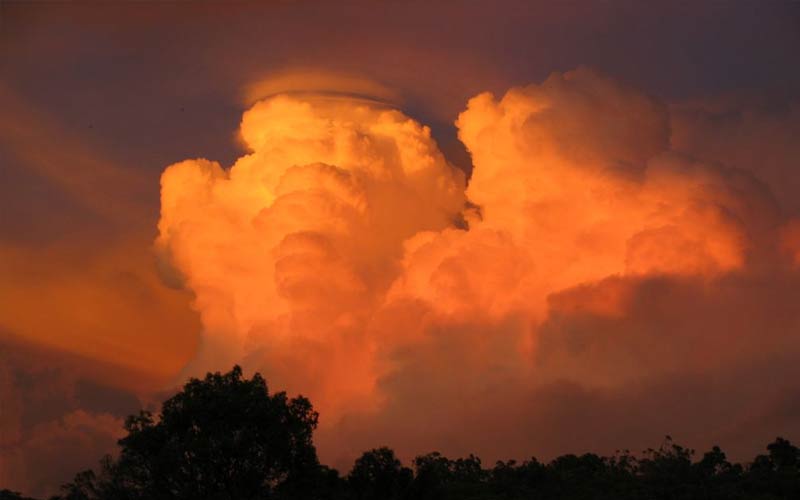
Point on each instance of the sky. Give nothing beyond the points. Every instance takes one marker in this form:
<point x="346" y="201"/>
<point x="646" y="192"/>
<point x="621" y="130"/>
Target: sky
<point x="505" y="228"/>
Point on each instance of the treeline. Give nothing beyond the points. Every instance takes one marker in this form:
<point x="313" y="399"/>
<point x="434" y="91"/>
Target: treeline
<point x="227" y="438"/>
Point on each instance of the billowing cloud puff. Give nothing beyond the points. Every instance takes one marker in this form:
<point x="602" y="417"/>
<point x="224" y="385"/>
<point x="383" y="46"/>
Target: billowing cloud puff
<point x="748" y="132"/>
<point x="578" y="170"/>
<point x="588" y="266"/>
<point x="575" y="184"/>
<point x="290" y="250"/>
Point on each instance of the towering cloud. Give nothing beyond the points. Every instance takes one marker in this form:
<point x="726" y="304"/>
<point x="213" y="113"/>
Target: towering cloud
<point x="589" y="274"/>
<point x="290" y="251"/>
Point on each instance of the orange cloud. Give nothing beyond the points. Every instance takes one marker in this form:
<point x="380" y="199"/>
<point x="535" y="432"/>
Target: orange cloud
<point x="346" y="258"/>
<point x="107" y="305"/>
<point x="747" y="132"/>
<point x="290" y="250"/>
<point x="313" y="82"/>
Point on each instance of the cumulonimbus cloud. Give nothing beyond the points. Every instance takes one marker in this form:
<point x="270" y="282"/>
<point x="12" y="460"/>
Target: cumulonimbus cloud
<point x="585" y="265"/>
<point x="291" y="250"/>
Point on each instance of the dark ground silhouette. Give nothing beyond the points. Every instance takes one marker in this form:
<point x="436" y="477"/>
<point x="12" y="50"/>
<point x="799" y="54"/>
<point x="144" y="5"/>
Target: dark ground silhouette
<point x="227" y="438"/>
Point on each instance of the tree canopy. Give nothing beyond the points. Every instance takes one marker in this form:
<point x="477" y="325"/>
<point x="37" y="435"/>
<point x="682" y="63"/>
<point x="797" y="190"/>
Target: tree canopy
<point x="225" y="437"/>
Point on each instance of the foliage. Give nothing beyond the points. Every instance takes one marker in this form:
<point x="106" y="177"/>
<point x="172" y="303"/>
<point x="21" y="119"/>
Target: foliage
<point x="226" y="438"/>
<point x="379" y="475"/>
<point x="12" y="495"/>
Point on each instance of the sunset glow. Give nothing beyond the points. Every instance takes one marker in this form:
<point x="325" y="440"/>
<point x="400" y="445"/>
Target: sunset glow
<point x="573" y="253"/>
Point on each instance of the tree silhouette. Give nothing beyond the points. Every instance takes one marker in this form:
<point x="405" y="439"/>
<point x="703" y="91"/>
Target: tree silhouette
<point x="379" y="475"/>
<point x="777" y="473"/>
<point x="438" y="477"/>
<point x="12" y="495"/>
<point x="224" y="437"/>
